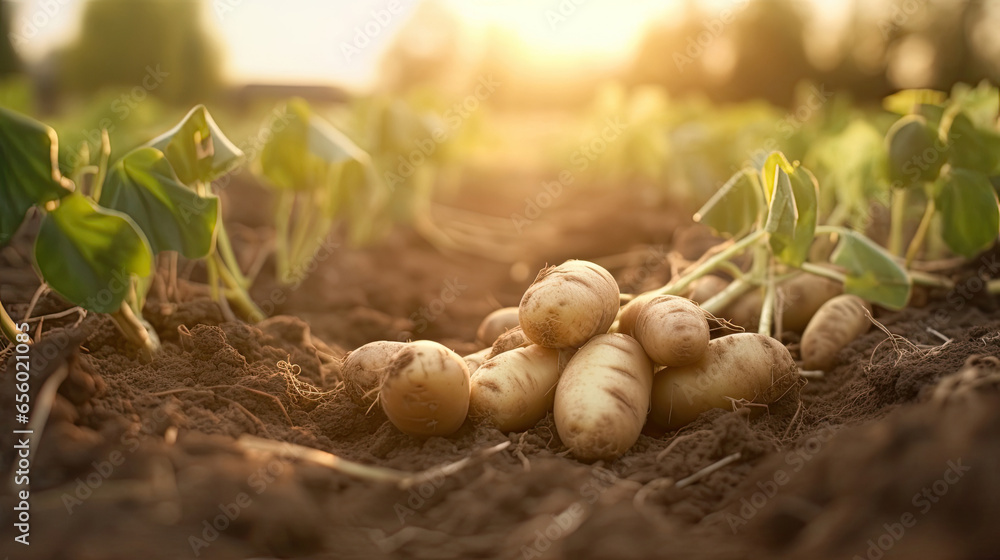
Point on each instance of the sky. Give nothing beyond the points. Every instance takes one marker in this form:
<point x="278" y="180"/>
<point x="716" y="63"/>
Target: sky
<point x="343" y="40"/>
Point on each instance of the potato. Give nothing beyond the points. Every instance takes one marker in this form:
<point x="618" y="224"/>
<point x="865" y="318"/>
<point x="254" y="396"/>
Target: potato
<point x="514" y="338"/>
<point x="426" y="390"/>
<point x="749" y="366"/>
<point x="515" y="390"/>
<point x="705" y="288"/>
<point x="801" y="296"/>
<point x="837" y="323"/>
<point x="476" y="359"/>
<point x="672" y="330"/>
<point x="495" y="324"/>
<point x="630" y="312"/>
<point x="603" y="396"/>
<point x="568" y="304"/>
<point x="363" y="369"/>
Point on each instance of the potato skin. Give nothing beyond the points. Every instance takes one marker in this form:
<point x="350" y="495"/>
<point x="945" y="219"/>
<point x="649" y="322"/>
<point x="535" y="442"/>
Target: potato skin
<point x="426" y="390"/>
<point x="568" y="304"/>
<point x="476" y="359"/>
<point x="705" y="288"/>
<point x="495" y="324"/>
<point x="673" y="331"/>
<point x="747" y="366"/>
<point x="515" y="390"/>
<point x="603" y="396"/>
<point x="364" y="368"/>
<point x="802" y="296"/>
<point x="514" y="338"/>
<point x="629" y="313"/>
<point x="837" y="323"/>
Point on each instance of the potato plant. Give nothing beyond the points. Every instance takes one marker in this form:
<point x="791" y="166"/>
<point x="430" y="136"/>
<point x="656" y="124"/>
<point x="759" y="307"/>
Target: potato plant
<point x="772" y="214"/>
<point x="321" y="178"/>
<point x="96" y="248"/>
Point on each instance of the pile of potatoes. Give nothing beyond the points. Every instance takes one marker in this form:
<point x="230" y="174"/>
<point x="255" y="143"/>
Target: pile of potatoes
<point x="571" y="349"/>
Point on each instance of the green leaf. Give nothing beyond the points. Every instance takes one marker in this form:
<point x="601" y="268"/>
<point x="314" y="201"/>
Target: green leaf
<point x="781" y="214"/>
<point x="978" y="103"/>
<point x="299" y="154"/>
<point x="970" y="217"/>
<point x="972" y="148"/>
<point x="771" y="164"/>
<point x="29" y="169"/>
<point x="872" y="273"/>
<point x="806" y="191"/>
<point x="794" y="195"/>
<point x="173" y="217"/>
<point x="915" y="152"/>
<point x="197" y="149"/>
<point x="905" y="102"/>
<point x="736" y="207"/>
<point x="87" y="253"/>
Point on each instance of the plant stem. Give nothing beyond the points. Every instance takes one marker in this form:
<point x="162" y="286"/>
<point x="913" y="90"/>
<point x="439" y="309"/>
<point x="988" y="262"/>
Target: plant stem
<point x="8" y="327"/>
<point x="137" y="331"/>
<point x="918" y="238"/>
<point x="236" y="294"/>
<point x="286" y="204"/>
<point x="735" y="290"/>
<point x="824" y="272"/>
<point x="303" y="226"/>
<point x="896" y="221"/>
<point x="931" y="280"/>
<point x="767" y="307"/>
<point x="225" y="248"/>
<point x="102" y="166"/>
<point x="677" y="288"/>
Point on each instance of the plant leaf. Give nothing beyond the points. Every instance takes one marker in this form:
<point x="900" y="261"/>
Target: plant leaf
<point x="87" y="253"/>
<point x="300" y="152"/>
<point x="771" y="164"/>
<point x="29" y="169"/>
<point x="197" y="149"/>
<point x="173" y="217"/>
<point x="806" y="197"/>
<point x="972" y="148"/>
<point x="736" y="207"/>
<point x="905" y="102"/>
<point x="872" y="273"/>
<point x="969" y="213"/>
<point x="781" y="213"/>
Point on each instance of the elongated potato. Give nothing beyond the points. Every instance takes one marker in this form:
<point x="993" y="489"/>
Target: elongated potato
<point x="514" y="338"/>
<point x="672" y="330"/>
<point x="630" y="312"/>
<point x="364" y="368"/>
<point x="705" y="288"/>
<point x="568" y="304"/>
<point x="747" y="366"/>
<point x="837" y="323"/>
<point x="801" y="296"/>
<point x="495" y="324"/>
<point x="515" y="390"/>
<point x="476" y="359"/>
<point x="426" y="390"/>
<point x="603" y="396"/>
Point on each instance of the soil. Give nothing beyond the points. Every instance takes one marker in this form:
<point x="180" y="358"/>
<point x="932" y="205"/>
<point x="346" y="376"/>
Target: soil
<point x="893" y="454"/>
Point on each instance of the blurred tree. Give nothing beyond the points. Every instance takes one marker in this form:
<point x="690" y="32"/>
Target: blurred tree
<point x="9" y="61"/>
<point x="162" y="46"/>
